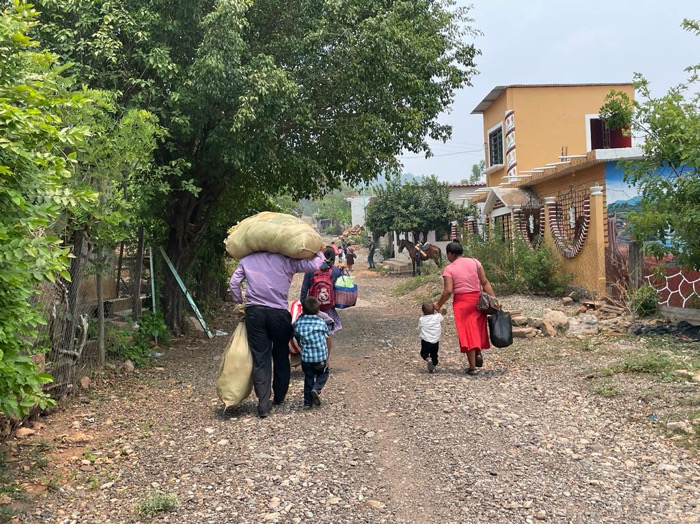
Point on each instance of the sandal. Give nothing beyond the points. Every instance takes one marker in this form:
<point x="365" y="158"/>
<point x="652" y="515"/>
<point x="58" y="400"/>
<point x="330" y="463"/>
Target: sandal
<point x="471" y="371"/>
<point x="479" y="359"/>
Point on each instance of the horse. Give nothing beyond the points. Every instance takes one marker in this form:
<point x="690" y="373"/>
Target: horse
<point x="433" y="252"/>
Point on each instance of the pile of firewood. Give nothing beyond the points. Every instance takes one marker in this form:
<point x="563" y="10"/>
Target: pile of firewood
<point x="354" y="231"/>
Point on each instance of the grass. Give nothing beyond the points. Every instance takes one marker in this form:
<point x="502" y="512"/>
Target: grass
<point x="414" y="283"/>
<point x="607" y="389"/>
<point x="157" y="502"/>
<point x="651" y="363"/>
<point x="663" y="359"/>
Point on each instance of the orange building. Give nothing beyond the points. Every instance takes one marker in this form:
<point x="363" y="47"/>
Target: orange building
<point x="553" y="174"/>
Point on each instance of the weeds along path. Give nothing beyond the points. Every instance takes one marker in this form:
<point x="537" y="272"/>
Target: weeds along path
<point x="525" y="440"/>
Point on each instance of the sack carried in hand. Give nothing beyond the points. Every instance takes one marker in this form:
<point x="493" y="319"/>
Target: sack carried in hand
<point x="487" y="303"/>
<point x="235" y="380"/>
<point x="345" y="291"/>
<point x="322" y="288"/>
<point x="274" y="233"/>
<point x="500" y="329"/>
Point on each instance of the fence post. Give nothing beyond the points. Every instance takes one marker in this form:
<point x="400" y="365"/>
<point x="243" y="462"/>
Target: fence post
<point x="138" y="272"/>
<point x="636" y="264"/>
<point x="102" y="354"/>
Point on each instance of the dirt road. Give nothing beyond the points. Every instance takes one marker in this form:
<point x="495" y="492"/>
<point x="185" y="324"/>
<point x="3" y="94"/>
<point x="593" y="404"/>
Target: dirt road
<point x="524" y="441"/>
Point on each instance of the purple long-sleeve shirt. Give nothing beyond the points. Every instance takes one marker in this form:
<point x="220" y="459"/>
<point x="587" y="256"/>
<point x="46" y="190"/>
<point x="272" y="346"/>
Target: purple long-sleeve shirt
<point x="268" y="277"/>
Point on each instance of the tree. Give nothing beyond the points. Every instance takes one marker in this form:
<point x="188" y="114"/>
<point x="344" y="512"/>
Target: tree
<point x="336" y="208"/>
<point x="34" y="169"/>
<point x="415" y="208"/>
<point x="111" y="164"/>
<point x="669" y="175"/>
<point x="477" y="173"/>
<point x="275" y="96"/>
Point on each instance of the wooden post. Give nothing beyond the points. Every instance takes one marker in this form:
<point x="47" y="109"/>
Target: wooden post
<point x="102" y="354"/>
<point x="119" y="266"/>
<point x="138" y="272"/>
<point x="636" y="265"/>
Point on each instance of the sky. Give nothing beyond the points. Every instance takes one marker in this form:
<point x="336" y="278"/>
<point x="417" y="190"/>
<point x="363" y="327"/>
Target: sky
<point x="560" y="41"/>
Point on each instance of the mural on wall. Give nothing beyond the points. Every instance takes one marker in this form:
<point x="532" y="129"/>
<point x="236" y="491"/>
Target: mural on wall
<point x="677" y="287"/>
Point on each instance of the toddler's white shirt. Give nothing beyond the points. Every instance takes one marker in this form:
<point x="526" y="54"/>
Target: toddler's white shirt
<point x="430" y="327"/>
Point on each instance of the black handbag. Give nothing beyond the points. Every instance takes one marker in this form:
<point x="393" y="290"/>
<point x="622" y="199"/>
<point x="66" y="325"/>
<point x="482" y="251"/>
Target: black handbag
<point x="500" y="329"/>
<point x="487" y="303"/>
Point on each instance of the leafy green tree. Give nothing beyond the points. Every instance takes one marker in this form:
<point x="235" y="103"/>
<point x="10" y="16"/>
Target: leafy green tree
<point x="295" y="97"/>
<point x="669" y="175"/>
<point x="113" y="163"/>
<point x="336" y="208"/>
<point x="476" y="174"/>
<point x="413" y="207"/>
<point x="34" y="171"/>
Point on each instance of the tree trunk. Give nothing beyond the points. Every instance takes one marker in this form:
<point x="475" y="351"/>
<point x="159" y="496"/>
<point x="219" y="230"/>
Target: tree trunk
<point x="64" y="350"/>
<point x="187" y="223"/>
<point x="80" y="250"/>
<point x="172" y="298"/>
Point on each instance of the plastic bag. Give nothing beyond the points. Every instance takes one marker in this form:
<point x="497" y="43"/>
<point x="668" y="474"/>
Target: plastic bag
<point x="235" y="381"/>
<point x="500" y="329"/>
<point x="274" y="233"/>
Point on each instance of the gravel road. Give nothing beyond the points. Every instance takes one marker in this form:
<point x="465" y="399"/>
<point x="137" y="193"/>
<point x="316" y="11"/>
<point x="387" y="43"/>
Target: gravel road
<point x="524" y="441"/>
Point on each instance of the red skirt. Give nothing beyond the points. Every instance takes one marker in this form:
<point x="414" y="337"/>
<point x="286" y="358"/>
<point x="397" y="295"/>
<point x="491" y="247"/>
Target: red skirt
<point x="470" y="322"/>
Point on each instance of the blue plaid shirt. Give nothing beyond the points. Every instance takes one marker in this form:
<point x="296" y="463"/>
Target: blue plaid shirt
<point x="311" y="332"/>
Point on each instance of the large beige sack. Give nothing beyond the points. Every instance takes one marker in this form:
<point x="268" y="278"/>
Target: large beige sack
<point x="274" y="233"/>
<point x="235" y="380"/>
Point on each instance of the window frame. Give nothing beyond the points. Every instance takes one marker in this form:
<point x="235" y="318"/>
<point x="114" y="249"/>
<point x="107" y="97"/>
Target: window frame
<point x="491" y="131"/>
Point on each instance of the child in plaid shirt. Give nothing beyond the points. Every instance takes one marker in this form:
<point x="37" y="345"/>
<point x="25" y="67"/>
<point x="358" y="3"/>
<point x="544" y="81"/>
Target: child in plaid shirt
<point x="311" y="332"/>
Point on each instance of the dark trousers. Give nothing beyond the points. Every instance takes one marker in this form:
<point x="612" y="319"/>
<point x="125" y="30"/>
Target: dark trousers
<point x="269" y="331"/>
<point x="370" y="259"/>
<point x="315" y="377"/>
<point x="429" y="349"/>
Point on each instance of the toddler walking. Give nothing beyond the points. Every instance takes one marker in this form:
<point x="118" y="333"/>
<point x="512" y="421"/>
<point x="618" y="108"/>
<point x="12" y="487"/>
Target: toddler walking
<point x="430" y="326"/>
<point x="312" y="332"/>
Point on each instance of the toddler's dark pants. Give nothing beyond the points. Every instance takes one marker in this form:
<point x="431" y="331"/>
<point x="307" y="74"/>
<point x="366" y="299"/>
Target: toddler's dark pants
<point x="429" y="349"/>
<point x="315" y="377"/>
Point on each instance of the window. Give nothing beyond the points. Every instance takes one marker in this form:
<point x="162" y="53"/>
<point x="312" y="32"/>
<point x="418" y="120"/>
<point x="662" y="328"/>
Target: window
<point x="602" y="137"/>
<point x="496" y="146"/>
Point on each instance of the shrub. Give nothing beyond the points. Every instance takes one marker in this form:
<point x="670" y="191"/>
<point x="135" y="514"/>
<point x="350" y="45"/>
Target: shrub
<point x="514" y="267"/>
<point x="643" y="301"/>
<point x="137" y="345"/>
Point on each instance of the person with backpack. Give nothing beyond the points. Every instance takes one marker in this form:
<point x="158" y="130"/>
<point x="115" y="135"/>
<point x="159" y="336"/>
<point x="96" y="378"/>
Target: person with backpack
<point x="319" y="284"/>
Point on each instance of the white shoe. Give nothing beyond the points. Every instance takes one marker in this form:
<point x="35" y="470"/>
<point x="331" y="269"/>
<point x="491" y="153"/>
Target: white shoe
<point x="431" y="366"/>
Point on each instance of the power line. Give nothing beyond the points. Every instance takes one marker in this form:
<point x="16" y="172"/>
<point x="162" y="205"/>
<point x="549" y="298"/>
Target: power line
<point x="443" y="154"/>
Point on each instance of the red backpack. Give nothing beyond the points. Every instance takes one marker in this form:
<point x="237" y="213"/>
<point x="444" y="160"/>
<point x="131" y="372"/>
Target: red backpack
<point x="322" y="288"/>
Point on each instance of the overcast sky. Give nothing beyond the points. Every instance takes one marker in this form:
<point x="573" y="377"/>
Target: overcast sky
<point x="561" y="41"/>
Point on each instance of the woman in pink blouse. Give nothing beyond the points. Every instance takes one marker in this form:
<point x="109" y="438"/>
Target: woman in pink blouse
<point x="464" y="278"/>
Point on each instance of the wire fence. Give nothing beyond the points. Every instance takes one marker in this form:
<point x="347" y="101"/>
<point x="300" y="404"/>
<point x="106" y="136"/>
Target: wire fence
<point x="115" y="283"/>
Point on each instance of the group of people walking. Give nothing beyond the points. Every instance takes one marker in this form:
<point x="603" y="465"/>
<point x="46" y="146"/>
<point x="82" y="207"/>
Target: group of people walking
<point x="268" y="278"/>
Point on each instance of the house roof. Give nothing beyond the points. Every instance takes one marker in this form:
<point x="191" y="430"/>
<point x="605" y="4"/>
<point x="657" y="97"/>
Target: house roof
<point x="510" y="197"/>
<point x="498" y="90"/>
<point x="458" y="185"/>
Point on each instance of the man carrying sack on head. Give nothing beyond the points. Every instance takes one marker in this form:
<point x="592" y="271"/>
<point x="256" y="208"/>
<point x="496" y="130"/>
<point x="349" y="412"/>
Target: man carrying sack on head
<point x="269" y="324"/>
